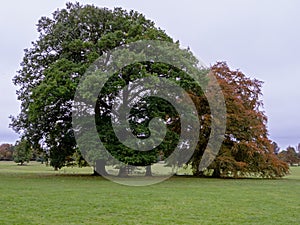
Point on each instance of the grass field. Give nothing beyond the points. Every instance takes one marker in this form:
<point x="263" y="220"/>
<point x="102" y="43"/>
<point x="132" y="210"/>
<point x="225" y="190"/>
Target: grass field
<point x="35" y="194"/>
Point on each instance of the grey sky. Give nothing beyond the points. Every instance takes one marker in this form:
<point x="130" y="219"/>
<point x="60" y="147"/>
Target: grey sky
<point x="261" y="38"/>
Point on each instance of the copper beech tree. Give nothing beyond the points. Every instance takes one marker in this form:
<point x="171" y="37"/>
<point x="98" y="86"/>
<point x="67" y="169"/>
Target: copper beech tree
<point x="246" y="149"/>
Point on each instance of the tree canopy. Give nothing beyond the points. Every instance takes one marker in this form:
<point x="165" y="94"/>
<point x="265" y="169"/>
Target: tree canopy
<point x="68" y="44"/>
<point x="246" y="149"/>
<point x="6" y="151"/>
<point x="290" y="156"/>
<point x="22" y="151"/>
<point x="71" y="41"/>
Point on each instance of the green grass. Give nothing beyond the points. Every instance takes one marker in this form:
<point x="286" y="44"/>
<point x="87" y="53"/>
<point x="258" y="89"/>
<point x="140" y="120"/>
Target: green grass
<point x="35" y="194"/>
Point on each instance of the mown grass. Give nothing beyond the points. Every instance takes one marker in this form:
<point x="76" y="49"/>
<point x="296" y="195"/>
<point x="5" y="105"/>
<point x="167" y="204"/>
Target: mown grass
<point x="35" y="194"/>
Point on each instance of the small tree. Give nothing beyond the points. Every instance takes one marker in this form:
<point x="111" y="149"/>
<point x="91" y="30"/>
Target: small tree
<point x="6" y="152"/>
<point x="22" y="152"/>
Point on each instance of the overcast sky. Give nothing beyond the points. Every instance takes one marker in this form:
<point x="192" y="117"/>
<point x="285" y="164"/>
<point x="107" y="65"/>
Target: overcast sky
<point x="261" y="38"/>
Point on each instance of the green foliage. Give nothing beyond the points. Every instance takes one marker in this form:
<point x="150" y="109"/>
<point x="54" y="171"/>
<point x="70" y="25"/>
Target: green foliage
<point x="141" y="113"/>
<point x="68" y="43"/>
<point x="22" y="151"/>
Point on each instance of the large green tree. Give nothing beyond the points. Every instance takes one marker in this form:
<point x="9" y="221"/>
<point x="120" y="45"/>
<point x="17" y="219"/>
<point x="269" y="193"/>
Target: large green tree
<point x="68" y="44"/>
<point x="140" y="116"/>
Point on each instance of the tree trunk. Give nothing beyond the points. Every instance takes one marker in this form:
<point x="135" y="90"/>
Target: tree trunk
<point x="99" y="169"/>
<point x="216" y="173"/>
<point x="123" y="172"/>
<point x="148" y="171"/>
<point x="198" y="173"/>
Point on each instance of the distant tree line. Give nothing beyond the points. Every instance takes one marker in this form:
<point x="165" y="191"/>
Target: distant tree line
<point x="21" y="152"/>
<point x="290" y="155"/>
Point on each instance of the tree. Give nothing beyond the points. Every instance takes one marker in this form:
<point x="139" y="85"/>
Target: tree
<point x="68" y="44"/>
<point x="246" y="149"/>
<point x="289" y="156"/>
<point x="6" y="152"/>
<point x="121" y="88"/>
<point x="22" y="151"/>
<point x="73" y="39"/>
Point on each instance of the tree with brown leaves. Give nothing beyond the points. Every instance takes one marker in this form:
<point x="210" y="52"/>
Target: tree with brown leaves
<point x="246" y="149"/>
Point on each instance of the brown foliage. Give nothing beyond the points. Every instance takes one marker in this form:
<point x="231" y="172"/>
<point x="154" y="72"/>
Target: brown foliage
<point x="6" y="152"/>
<point x="246" y="149"/>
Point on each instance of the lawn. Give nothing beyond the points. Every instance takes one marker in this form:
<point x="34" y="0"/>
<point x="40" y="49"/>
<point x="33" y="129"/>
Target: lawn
<point x="35" y="194"/>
